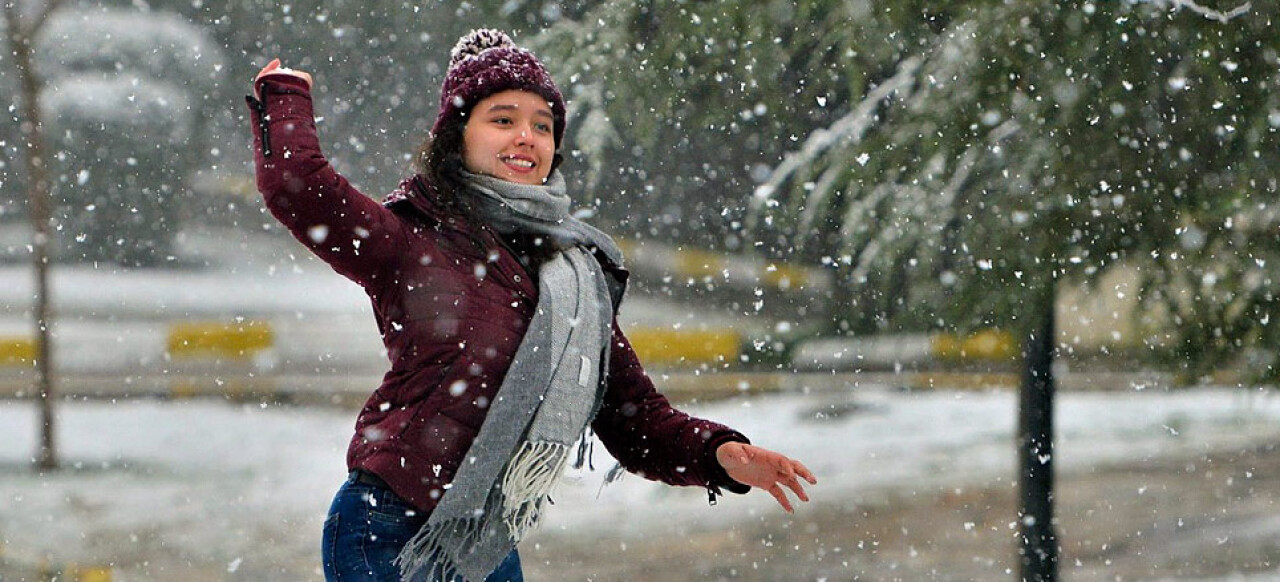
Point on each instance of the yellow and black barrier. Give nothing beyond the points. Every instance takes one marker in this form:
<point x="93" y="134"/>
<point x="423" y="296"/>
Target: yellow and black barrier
<point x="76" y="573"/>
<point x="982" y="345"/>
<point x="219" y="358"/>
<point x="17" y="351"/>
<point x="741" y="270"/>
<point x="219" y="340"/>
<point x="42" y="569"/>
<point x="660" y="346"/>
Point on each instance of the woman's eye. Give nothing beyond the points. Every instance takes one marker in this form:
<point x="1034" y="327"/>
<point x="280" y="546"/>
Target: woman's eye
<point x="543" y="127"/>
<point x="502" y="121"/>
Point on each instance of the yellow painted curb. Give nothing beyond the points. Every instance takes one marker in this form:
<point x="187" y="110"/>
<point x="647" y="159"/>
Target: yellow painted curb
<point x="212" y="339"/>
<point x="89" y="573"/>
<point x="75" y="573"/>
<point x="183" y="389"/>
<point x="988" y="344"/>
<point x="17" y="351"/>
<point x="667" y="346"/>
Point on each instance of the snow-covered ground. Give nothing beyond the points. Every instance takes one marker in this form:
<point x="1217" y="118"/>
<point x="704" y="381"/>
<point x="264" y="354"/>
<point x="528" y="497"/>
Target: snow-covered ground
<point x="243" y="488"/>
<point x="210" y="490"/>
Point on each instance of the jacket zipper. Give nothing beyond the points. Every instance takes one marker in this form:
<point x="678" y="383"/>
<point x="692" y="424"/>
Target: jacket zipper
<point x="263" y="121"/>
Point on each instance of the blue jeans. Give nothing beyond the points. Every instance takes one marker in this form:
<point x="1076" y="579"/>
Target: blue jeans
<point x="367" y="527"/>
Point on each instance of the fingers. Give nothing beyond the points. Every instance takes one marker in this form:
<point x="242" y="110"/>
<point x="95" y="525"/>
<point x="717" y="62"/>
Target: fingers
<point x="777" y="494"/>
<point x="271" y="66"/>
<point x="804" y="471"/>
<point x="791" y="471"/>
<point x="794" y="485"/>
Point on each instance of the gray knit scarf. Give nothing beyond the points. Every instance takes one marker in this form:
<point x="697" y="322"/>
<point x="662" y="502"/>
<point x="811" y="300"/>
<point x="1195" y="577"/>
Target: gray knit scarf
<point x="547" y="398"/>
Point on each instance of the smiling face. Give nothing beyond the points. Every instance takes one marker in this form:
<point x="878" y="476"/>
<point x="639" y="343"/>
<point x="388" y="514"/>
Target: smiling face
<point x="509" y="135"/>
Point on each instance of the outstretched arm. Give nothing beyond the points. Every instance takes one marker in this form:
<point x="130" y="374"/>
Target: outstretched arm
<point x="650" y="437"/>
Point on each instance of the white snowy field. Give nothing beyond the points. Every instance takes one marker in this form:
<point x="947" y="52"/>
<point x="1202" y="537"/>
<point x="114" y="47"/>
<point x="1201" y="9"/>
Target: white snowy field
<point x="210" y="490"/>
<point x="165" y="490"/>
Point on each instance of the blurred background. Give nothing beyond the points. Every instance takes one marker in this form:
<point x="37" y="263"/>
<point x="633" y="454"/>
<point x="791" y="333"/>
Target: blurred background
<point x="879" y="237"/>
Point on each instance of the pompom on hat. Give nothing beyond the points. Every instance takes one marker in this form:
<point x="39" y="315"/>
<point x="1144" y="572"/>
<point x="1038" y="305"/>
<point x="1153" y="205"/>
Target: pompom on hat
<point x="487" y="61"/>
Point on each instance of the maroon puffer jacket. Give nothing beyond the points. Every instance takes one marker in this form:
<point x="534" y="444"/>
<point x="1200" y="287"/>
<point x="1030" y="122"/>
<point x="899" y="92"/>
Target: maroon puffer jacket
<point x="452" y="313"/>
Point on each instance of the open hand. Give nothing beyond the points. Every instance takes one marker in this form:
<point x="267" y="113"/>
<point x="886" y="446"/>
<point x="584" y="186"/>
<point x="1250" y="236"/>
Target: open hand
<point x="274" y="68"/>
<point x="757" y="467"/>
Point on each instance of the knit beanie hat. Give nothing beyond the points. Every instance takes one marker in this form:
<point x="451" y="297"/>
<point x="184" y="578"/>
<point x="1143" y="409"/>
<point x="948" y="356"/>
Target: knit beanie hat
<point x="487" y="61"/>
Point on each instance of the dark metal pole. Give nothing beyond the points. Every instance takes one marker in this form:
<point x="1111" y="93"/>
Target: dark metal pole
<point x="1039" y="543"/>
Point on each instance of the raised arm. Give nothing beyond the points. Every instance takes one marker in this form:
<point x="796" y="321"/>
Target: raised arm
<point x="351" y="232"/>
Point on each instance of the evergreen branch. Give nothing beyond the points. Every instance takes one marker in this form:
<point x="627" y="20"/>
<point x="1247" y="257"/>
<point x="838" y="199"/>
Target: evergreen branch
<point x="850" y="127"/>
<point x="1204" y="11"/>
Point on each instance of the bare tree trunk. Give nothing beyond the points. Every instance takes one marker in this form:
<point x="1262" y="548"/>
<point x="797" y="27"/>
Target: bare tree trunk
<point x="22" y="46"/>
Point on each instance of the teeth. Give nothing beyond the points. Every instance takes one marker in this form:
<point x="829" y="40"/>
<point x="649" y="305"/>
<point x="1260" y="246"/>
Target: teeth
<point x="521" y="163"/>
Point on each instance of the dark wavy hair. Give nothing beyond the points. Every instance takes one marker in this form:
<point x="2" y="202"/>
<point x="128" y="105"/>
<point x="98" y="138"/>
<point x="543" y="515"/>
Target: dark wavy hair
<point x="439" y="159"/>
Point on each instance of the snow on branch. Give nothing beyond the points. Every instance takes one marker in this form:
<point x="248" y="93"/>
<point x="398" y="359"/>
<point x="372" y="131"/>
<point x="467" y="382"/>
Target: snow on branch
<point x="816" y="201"/>
<point x="932" y="214"/>
<point x="851" y="127"/>
<point x="1204" y="11"/>
<point x="930" y="211"/>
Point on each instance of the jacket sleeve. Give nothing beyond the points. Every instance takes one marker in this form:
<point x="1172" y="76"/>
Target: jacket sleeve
<point x="649" y="437"/>
<point x="351" y="232"/>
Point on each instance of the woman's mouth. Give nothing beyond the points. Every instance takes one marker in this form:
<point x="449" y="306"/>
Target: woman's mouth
<point x="518" y="163"/>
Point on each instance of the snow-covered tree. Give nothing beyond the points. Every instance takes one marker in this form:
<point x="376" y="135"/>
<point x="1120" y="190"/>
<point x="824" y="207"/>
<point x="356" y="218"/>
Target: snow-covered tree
<point x="124" y="98"/>
<point x="964" y="158"/>
<point x="936" y="155"/>
<point x="1042" y="140"/>
<point x="680" y="107"/>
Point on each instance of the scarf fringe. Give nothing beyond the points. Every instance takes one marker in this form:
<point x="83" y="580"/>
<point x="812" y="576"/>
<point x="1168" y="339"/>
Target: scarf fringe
<point x="527" y="483"/>
<point x="428" y="553"/>
<point x="586" y="450"/>
<point x="526" y="486"/>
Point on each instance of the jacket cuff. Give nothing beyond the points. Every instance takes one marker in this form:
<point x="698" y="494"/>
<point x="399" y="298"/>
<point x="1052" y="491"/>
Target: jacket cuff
<point x="719" y="478"/>
<point x="282" y="83"/>
<point x="270" y="85"/>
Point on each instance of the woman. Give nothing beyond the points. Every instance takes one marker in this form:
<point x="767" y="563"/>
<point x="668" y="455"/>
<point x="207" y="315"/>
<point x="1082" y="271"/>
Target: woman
<point x="497" y="310"/>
